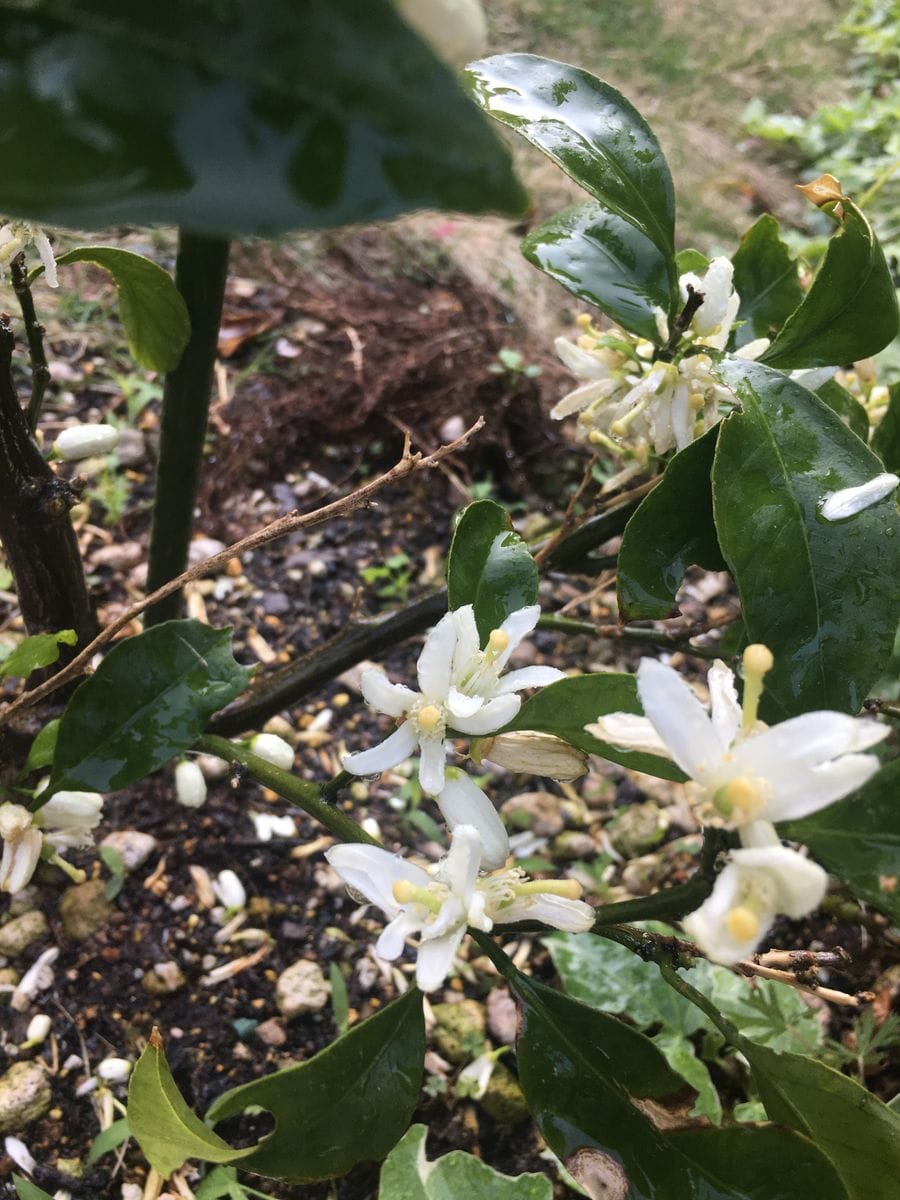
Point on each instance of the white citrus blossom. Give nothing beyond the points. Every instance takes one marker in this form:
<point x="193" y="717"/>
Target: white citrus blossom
<point x="741" y="770"/>
<point x="69" y="819"/>
<point x="66" y="821"/>
<point x="460" y="688"/>
<point x="85" y="441"/>
<point x="439" y="904"/>
<point x="16" y="235"/>
<point x="760" y="881"/>
<point x="837" y="506"/>
<point x="22" y="844"/>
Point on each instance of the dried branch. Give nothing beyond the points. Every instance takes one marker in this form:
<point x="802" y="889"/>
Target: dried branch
<point x="290" y="523"/>
<point x="804" y="981"/>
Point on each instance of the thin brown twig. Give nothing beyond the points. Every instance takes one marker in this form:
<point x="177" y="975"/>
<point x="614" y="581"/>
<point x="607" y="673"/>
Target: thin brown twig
<point x="289" y="523"/>
<point x="568" y="517"/>
<point x="847" y="999"/>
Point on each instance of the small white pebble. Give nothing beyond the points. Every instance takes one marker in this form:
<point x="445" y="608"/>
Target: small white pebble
<point x="86" y="441"/>
<point x="230" y="890"/>
<point x="273" y="749"/>
<point x="190" y="786"/>
<point x="113" y="1070"/>
<point x="38" y="1028"/>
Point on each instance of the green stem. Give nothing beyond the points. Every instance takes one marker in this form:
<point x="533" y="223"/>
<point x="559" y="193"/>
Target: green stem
<point x="34" y="332"/>
<point x="663" y="949"/>
<point x="626" y="633"/>
<point x="673" y="979"/>
<point x="200" y="273"/>
<point x="501" y="961"/>
<point x="300" y="792"/>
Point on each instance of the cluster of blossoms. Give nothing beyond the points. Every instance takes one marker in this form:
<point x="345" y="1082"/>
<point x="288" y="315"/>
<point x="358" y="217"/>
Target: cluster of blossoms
<point x="16" y="235"/>
<point x="463" y="690"/>
<point x="632" y="403"/>
<point x="744" y="776"/>
<point x="66" y="821"/>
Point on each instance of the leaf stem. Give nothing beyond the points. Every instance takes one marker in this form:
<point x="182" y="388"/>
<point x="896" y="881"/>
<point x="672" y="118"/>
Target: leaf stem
<point x="301" y="792"/>
<point x="627" y="633"/>
<point x="34" y="332"/>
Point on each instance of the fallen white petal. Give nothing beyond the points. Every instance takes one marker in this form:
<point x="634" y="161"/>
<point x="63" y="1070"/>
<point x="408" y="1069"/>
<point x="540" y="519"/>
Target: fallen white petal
<point x="836" y="506"/>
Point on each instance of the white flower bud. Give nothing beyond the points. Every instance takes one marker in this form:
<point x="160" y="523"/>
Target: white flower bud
<point x="113" y="1070"/>
<point x="86" y="441"/>
<point x="38" y="1029"/>
<point x="190" y="786"/>
<point x="456" y="30"/>
<point x="19" y="1153"/>
<point x="273" y="749"/>
<point x="229" y="889"/>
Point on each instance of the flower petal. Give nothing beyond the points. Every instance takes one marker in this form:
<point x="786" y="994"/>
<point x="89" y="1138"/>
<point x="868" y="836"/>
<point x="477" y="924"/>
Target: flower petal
<point x="725" y="708"/>
<point x="799" y="883"/>
<point x="820" y="786"/>
<point x="435" y="959"/>
<point x="528" y="677"/>
<point x="392" y="940"/>
<point x="460" y="705"/>
<point x="572" y="916"/>
<point x="629" y="732"/>
<point x="492" y="716"/>
<point x="579" y="361"/>
<point x="462" y="802"/>
<point x="372" y="872"/>
<point x="432" y="756"/>
<point x="389" y="698"/>
<point x="436" y="660"/>
<point x="468" y="642"/>
<point x="392" y="750"/>
<point x="837" y="506"/>
<point x="679" y="718"/>
<point x="459" y="867"/>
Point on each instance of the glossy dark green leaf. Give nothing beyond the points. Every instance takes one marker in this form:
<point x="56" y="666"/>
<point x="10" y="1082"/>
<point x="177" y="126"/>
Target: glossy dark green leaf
<point x="161" y="1123"/>
<point x="593" y="1086"/>
<point x="235" y="117"/>
<point x="850" y="310"/>
<point x="765" y="278"/>
<point x="349" y="1103"/>
<point x="820" y="594"/>
<point x="860" y="1135"/>
<point x="886" y="438"/>
<point x="407" y="1174"/>
<point x="858" y="839"/>
<point x="39" y="650"/>
<point x="154" y="314"/>
<point x="565" y="707"/>
<point x="148" y="700"/>
<point x="606" y="261"/>
<point x="672" y="530"/>
<point x="847" y="407"/>
<point x="592" y="132"/>
<point x="490" y="567"/>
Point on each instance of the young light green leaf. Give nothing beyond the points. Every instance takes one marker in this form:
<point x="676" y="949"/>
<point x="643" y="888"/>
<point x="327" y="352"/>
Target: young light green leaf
<point x="107" y="1139"/>
<point x="595" y="134"/>
<point x="236" y="119"/>
<point x="371" y="1076"/>
<point x="820" y="594"/>
<point x="672" y="530"/>
<point x="154" y="314"/>
<point x="886" y="438"/>
<point x="691" y="260"/>
<point x="223" y="1181"/>
<point x="489" y="567"/>
<point x="148" y="700"/>
<point x="765" y="278"/>
<point x="847" y="407"/>
<point x="408" y="1175"/>
<point x="26" y="1190"/>
<point x="166" y="1130"/>
<point x="605" y="260"/>
<point x="42" y="748"/>
<point x="682" y="1057"/>
<point x="858" y="839"/>
<point x="850" y="310"/>
<point x="39" y="650"/>
<point x="565" y="707"/>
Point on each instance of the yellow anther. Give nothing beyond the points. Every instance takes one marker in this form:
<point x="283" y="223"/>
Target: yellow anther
<point x="696" y="401"/>
<point x="744" y="795"/>
<point x="583" y="321"/>
<point x="429" y="718"/>
<point x="403" y="891"/>
<point x="619" y="428"/>
<point x="596" y="438"/>
<point x="758" y="659"/>
<point x="743" y="924"/>
<point x="585" y="418"/>
<point x="586" y="342"/>
<point x="498" y="641"/>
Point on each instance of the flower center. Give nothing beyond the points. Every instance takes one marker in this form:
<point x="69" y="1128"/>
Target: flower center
<point x="742" y="923"/>
<point x="429" y="717"/>
<point x="742" y="799"/>
<point x="405" y="892"/>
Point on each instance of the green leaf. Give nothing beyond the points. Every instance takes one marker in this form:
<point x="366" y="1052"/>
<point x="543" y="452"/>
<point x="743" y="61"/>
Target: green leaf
<point x="490" y="567"/>
<point x="107" y="1139"/>
<point x="235" y="118"/>
<point x="26" y="1190"/>
<point x="858" y="839"/>
<point x="565" y="707"/>
<point x="765" y="278"/>
<point x="691" y="260"/>
<point x="154" y="314"/>
<point x="886" y="438"/>
<point x="39" y="650"/>
<point x="580" y="1071"/>
<point x="349" y="1103"/>
<point x="672" y="530"/>
<point x="592" y="132"/>
<point x="822" y="595"/>
<point x="847" y="407"/>
<point x="166" y="1130"/>
<point x="603" y="259"/>
<point x="408" y="1175"/>
<point x="148" y="701"/>
<point x="223" y="1181"/>
<point x="681" y="1056"/>
<point x="859" y="1134"/>
<point x="850" y="310"/>
<point x="42" y="748"/>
